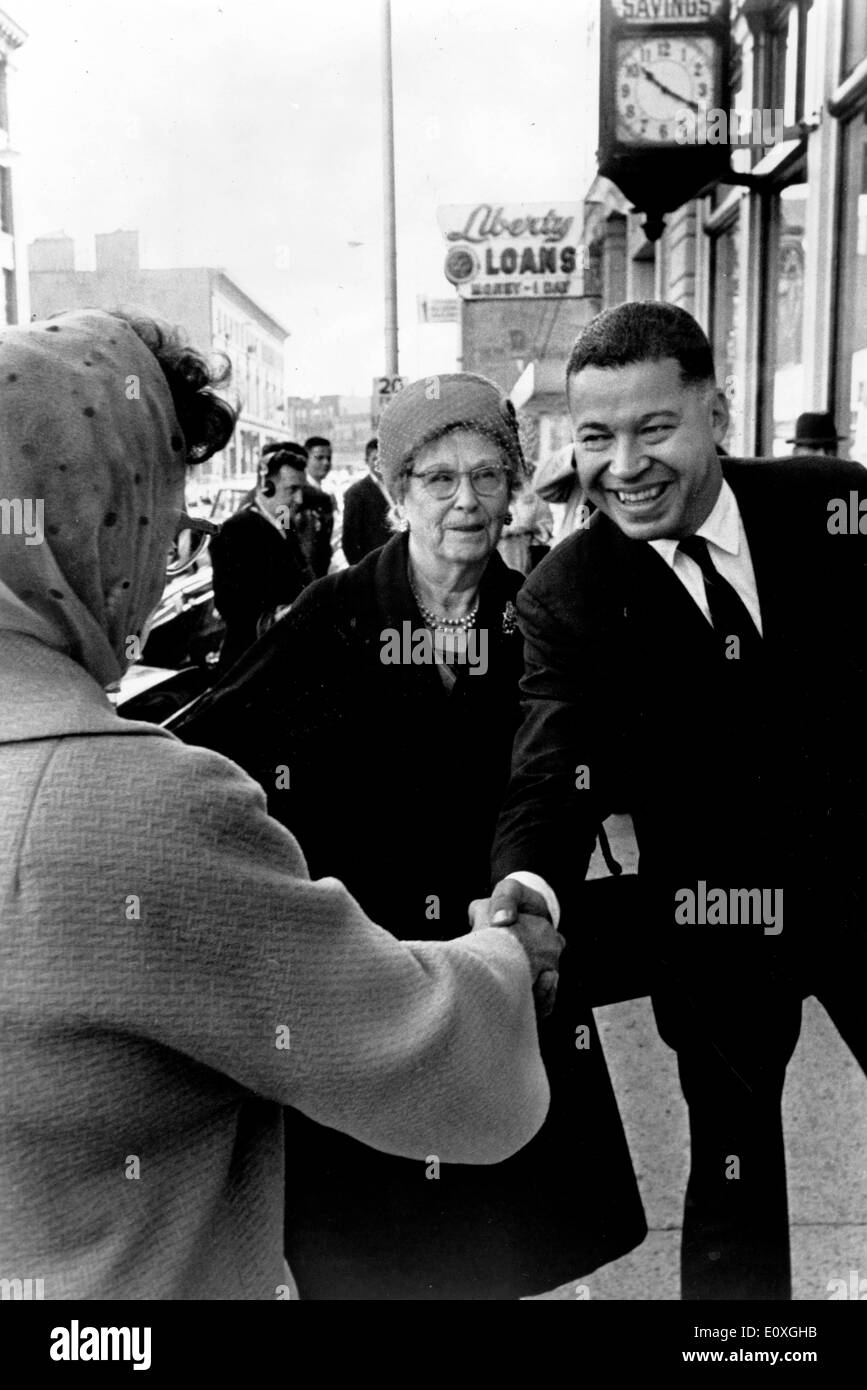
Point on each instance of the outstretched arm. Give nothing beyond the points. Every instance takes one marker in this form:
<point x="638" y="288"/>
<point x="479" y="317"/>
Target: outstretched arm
<point x="243" y="964"/>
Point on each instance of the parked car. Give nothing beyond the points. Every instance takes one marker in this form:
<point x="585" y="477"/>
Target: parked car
<point x="180" y="655"/>
<point x="152" y="693"/>
<point x="229" y="500"/>
<point x="186" y="628"/>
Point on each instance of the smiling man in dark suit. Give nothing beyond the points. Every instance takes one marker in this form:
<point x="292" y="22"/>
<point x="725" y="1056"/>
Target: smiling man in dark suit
<point x="696" y="655"/>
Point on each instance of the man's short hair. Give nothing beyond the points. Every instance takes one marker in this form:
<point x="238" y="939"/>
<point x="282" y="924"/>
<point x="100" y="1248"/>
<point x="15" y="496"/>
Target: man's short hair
<point x="316" y="441"/>
<point x="283" y="444"/>
<point x="281" y="455"/>
<point x="643" y="331"/>
<point x="371" y="446"/>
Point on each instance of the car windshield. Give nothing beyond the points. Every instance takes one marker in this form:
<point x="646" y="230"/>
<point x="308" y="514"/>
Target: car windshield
<point x="227" y="502"/>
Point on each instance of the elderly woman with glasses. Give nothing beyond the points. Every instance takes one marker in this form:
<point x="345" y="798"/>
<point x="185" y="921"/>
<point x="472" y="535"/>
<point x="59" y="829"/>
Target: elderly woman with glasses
<point x="378" y="717"/>
<point x="170" y="976"/>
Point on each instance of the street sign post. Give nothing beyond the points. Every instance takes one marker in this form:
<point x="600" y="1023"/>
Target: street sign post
<point x="384" y="387"/>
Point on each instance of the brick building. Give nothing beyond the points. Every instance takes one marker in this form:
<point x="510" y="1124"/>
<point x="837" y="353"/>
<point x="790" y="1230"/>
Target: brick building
<point x="217" y="314"/>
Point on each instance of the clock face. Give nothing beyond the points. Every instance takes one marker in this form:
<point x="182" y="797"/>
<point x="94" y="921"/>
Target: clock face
<point x="661" y="86"/>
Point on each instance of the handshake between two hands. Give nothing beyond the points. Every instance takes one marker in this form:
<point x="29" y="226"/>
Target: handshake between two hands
<point x="524" y="912"/>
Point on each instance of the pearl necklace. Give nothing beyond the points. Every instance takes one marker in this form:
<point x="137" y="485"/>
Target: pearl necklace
<point x="445" y="624"/>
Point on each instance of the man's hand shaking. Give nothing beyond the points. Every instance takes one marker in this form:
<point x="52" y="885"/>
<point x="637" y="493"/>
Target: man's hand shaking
<point x="524" y="912"/>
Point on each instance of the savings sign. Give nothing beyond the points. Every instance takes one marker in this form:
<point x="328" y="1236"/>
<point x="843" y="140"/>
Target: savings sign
<point x="519" y="251"/>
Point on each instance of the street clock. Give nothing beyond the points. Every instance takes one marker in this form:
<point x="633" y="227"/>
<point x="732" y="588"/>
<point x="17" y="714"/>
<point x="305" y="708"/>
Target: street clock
<point x="664" y="72"/>
<point x="661" y="85"/>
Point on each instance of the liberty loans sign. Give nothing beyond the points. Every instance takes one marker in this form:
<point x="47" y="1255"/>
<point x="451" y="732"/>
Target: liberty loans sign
<point x="514" y="251"/>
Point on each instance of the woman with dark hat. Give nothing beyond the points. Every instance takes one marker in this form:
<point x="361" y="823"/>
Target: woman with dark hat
<point x="379" y="717"/>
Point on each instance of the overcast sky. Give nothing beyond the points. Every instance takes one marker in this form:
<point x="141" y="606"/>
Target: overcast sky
<point x="247" y="134"/>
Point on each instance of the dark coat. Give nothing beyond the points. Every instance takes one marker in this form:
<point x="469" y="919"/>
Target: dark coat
<point x="743" y="777"/>
<point x="315" y="697"/>
<point x="314" y="524"/>
<point x="394" y="788"/>
<point x="734" y="774"/>
<point x="365" y="519"/>
<point x="256" y="569"/>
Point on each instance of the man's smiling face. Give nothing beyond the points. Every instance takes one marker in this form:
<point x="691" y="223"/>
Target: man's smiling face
<point x="645" y="445"/>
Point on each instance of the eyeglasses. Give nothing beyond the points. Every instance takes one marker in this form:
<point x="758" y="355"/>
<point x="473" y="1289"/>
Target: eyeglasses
<point x="191" y="537"/>
<point x="441" y="483"/>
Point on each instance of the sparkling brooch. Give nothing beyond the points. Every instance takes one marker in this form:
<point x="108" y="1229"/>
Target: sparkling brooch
<point x="510" y="619"/>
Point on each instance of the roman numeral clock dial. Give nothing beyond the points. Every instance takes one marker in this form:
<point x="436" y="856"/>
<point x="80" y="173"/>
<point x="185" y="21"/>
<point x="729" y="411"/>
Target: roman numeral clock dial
<point x="661" y="85"/>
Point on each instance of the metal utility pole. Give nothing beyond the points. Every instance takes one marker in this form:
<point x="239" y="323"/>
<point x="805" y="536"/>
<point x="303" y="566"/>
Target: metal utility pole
<point x="390" y="236"/>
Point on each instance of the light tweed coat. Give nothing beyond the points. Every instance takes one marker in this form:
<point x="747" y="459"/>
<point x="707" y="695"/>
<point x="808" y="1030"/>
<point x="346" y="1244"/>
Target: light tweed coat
<point x="159" y="936"/>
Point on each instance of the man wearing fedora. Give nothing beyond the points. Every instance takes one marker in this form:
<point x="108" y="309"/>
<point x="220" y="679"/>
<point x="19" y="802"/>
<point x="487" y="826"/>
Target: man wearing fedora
<point x="816" y="433"/>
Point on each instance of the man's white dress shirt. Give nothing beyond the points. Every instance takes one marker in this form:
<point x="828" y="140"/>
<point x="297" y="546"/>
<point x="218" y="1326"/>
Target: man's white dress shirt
<point x="729" y="553"/>
<point x="269" y="516"/>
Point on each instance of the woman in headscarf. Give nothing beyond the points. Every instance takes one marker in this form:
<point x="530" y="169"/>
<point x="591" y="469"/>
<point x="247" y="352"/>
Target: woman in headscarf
<point x="379" y="717"/>
<point x="170" y="977"/>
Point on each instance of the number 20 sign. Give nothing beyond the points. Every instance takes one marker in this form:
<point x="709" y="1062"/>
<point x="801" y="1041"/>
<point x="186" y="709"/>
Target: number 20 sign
<point x="386" y="386"/>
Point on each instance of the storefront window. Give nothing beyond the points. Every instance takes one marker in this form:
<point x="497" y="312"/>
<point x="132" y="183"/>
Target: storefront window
<point x="786" y="313"/>
<point x="788" y="30"/>
<point x="791" y="105"/>
<point x="814" y="76"/>
<point x="852" y="295"/>
<point x="728" y="342"/>
<point x="742" y="158"/>
<point x="855" y="16"/>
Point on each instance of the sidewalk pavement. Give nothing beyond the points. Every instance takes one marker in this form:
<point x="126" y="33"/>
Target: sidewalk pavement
<point x="825" y="1117"/>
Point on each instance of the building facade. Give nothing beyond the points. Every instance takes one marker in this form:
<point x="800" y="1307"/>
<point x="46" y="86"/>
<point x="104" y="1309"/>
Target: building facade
<point x="216" y="314"/>
<point x="773" y="266"/>
<point x="14" y="297"/>
<point x="345" y="420"/>
<point x="525" y="348"/>
<point x="526" y="288"/>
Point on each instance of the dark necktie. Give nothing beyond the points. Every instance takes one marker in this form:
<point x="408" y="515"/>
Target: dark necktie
<point x="728" y="613"/>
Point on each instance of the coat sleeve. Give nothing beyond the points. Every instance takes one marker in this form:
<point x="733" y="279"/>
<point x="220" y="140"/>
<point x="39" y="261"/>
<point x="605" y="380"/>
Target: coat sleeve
<point x="235" y="959"/>
<point x="353" y="525"/>
<point x="241" y="589"/>
<point x="552" y="809"/>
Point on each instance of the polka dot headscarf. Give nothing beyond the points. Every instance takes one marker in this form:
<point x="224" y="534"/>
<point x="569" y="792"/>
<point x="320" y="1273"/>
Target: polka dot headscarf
<point x="88" y="430"/>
